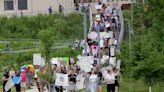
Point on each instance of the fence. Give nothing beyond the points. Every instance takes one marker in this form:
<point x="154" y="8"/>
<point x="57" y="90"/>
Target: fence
<point x="121" y="34"/>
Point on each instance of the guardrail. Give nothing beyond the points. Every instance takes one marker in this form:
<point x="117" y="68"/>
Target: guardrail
<point x="90" y="18"/>
<point x="121" y="34"/>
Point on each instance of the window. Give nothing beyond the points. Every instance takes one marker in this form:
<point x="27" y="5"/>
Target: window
<point x="8" y="5"/>
<point x="22" y="4"/>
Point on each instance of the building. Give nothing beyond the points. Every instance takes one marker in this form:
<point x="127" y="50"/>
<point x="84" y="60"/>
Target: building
<point x="33" y="7"/>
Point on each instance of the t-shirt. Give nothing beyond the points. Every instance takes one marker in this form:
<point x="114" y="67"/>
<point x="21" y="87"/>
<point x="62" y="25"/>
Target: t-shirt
<point x="29" y="74"/>
<point x="23" y="77"/>
<point x="93" y="78"/>
<point x="72" y="77"/>
<point x="111" y="78"/>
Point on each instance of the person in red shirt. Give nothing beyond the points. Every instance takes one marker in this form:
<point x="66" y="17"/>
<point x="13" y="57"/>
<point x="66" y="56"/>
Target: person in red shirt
<point x="23" y="80"/>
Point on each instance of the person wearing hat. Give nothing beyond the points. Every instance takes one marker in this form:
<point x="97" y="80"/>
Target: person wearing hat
<point x="29" y="77"/>
<point x="23" y="80"/>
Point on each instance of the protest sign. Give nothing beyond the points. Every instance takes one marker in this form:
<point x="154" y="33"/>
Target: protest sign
<point x="107" y="24"/>
<point x="37" y="59"/>
<point x="98" y="18"/>
<point x="80" y="83"/>
<point x="16" y="79"/>
<point x="101" y="43"/>
<point x="9" y="84"/>
<point x="61" y="79"/>
<point x="112" y="51"/>
<point x="98" y="7"/>
<point x="118" y="64"/>
<point x="72" y="60"/>
<point x="55" y="61"/>
<point x="43" y="62"/>
<point x="66" y="59"/>
<point x="112" y="61"/>
<point x="85" y="63"/>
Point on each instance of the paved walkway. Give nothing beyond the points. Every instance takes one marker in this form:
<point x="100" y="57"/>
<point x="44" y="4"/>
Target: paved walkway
<point x="34" y="89"/>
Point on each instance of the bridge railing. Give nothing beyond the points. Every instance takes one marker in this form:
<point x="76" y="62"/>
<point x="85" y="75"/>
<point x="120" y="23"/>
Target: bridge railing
<point x="121" y="34"/>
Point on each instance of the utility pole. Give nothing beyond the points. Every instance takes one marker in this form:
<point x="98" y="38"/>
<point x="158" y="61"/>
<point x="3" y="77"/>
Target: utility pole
<point x="130" y="42"/>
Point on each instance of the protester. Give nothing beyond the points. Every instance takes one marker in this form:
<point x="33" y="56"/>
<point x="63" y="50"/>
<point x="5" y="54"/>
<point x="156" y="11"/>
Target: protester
<point x="50" y="10"/>
<point x="18" y="85"/>
<point x="72" y="81"/>
<point x="12" y="72"/>
<point x="29" y="77"/>
<point x="5" y="78"/>
<point x="58" y="88"/>
<point x="100" y="79"/>
<point x="60" y="9"/>
<point x="116" y="72"/>
<point x="36" y="76"/>
<point x="110" y="81"/>
<point x="23" y="80"/>
<point x="77" y="6"/>
<point x="93" y="80"/>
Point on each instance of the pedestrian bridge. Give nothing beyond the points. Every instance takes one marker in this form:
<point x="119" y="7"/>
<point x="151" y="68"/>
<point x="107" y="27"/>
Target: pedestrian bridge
<point x="117" y="3"/>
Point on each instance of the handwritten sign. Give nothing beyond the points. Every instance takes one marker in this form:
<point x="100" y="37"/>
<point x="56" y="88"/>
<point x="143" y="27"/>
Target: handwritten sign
<point x="61" y="79"/>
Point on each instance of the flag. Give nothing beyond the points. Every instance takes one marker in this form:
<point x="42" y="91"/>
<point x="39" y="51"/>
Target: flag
<point x="9" y="84"/>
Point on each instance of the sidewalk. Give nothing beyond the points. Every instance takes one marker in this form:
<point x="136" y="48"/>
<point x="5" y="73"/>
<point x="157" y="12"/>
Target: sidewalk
<point x="34" y="89"/>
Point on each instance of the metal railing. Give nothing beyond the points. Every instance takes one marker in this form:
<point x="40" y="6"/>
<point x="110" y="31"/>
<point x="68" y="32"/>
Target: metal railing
<point x="90" y="18"/>
<point x="121" y="34"/>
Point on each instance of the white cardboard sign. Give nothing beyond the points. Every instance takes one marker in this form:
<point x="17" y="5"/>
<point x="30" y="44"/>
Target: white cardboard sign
<point x="61" y="79"/>
<point x="98" y="7"/>
<point x="37" y="59"/>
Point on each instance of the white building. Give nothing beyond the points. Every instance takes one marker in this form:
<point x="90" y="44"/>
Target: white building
<point x="32" y="7"/>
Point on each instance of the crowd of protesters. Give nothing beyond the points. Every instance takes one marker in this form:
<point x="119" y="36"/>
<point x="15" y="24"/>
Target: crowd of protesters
<point x="107" y="23"/>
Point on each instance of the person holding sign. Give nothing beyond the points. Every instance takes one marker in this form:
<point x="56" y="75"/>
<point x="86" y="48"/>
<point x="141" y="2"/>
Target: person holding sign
<point x="116" y="72"/>
<point x="93" y="80"/>
<point x="5" y="78"/>
<point x="72" y="81"/>
<point x="110" y="81"/>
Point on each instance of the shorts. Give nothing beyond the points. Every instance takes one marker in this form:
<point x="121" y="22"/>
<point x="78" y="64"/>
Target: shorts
<point x="110" y="87"/>
<point x="116" y="83"/>
<point x="29" y="80"/>
<point x="23" y="84"/>
<point x="72" y="86"/>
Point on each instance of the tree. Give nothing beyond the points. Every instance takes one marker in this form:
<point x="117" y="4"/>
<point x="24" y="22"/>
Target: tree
<point x="148" y="47"/>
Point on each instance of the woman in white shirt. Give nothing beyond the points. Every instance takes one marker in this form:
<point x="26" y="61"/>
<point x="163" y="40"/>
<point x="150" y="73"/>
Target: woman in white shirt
<point x="110" y="81"/>
<point x="93" y="79"/>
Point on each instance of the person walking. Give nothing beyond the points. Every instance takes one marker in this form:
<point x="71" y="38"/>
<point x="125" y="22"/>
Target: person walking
<point x="5" y="78"/>
<point x="110" y="81"/>
<point x="23" y="80"/>
<point x="29" y="77"/>
<point x="17" y="85"/>
<point x="93" y="80"/>
<point x="116" y="72"/>
<point x="72" y="80"/>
